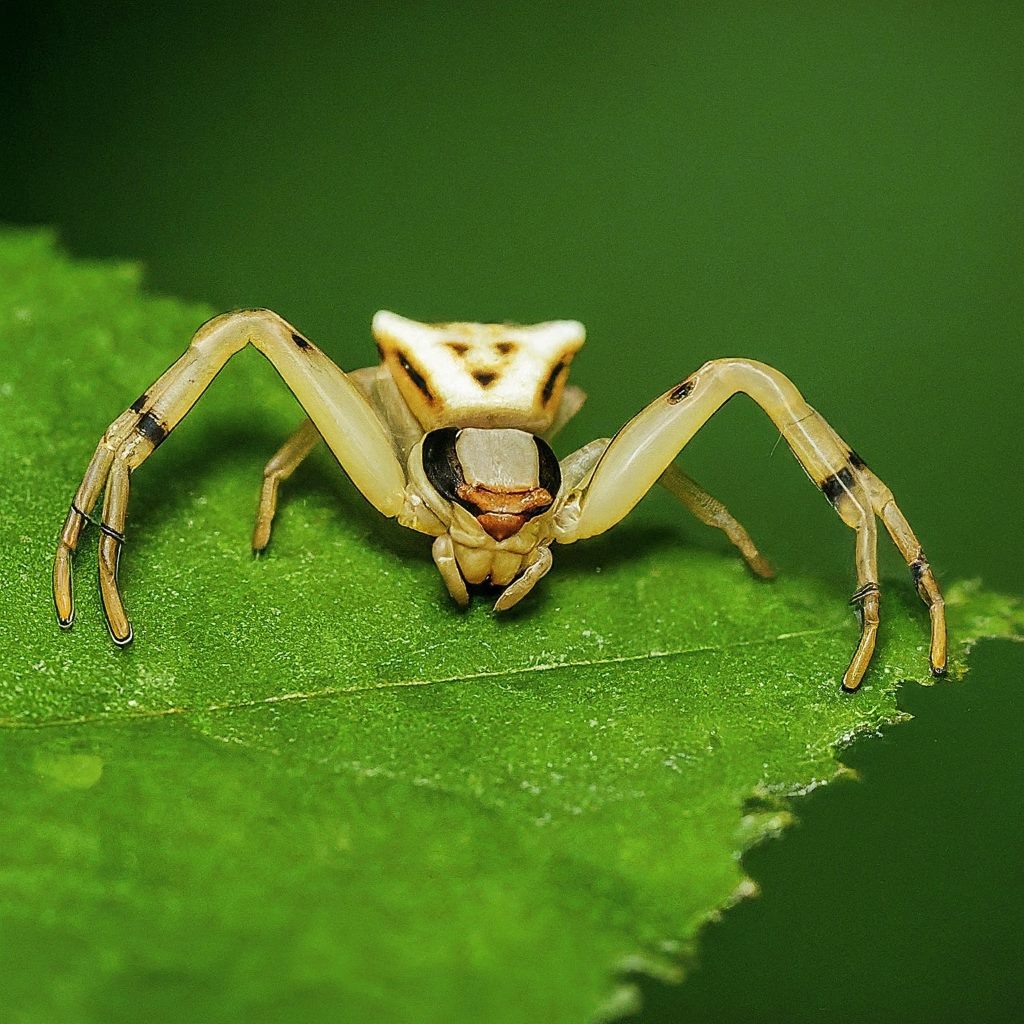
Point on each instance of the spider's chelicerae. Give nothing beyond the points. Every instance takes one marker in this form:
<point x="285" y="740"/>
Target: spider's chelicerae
<point x="450" y="432"/>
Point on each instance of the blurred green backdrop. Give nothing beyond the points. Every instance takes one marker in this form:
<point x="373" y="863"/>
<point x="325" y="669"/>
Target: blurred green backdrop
<point x="832" y="188"/>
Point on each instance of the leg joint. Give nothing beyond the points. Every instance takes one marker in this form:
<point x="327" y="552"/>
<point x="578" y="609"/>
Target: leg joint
<point x="838" y="484"/>
<point x="918" y="568"/>
<point x="84" y="516"/>
<point x="864" y="592"/>
<point x="152" y="429"/>
<point x="114" y="535"/>
<point x="229" y="333"/>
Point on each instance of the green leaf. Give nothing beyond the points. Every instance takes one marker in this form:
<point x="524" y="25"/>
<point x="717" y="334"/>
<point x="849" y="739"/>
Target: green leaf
<point x="313" y="790"/>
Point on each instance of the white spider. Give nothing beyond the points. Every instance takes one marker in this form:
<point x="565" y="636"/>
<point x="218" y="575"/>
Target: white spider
<point x="449" y="434"/>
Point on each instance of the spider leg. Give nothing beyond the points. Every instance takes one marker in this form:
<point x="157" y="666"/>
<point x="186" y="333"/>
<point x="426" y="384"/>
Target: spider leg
<point x="340" y="412"/>
<point x="78" y="515"/>
<point x="712" y="512"/>
<point x="115" y="511"/>
<point x="909" y="546"/>
<point x="866" y="597"/>
<point x="444" y="558"/>
<point x="285" y="461"/>
<point x="640" y="453"/>
<point x="534" y="572"/>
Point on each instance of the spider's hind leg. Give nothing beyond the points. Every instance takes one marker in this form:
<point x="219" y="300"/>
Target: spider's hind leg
<point x="284" y="462"/>
<point x="710" y="511"/>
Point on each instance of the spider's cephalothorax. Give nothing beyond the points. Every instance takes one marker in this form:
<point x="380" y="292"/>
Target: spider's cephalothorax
<point x="450" y="435"/>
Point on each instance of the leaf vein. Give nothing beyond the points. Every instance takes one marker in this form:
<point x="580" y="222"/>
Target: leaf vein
<point x="399" y="684"/>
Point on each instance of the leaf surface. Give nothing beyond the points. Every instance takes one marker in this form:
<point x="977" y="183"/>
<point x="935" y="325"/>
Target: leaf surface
<point x="313" y="790"/>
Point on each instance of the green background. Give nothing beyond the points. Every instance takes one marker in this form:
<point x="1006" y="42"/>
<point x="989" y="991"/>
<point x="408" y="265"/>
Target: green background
<point x="834" y="189"/>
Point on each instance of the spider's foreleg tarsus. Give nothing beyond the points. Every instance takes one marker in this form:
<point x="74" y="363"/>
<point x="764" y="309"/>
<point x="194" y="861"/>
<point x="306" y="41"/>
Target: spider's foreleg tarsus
<point x="885" y="507"/>
<point x="855" y="483"/>
<point x="858" y="496"/>
<point x="115" y="510"/>
<point x="852" y="503"/>
<point x="125" y="444"/>
<point x="77" y="518"/>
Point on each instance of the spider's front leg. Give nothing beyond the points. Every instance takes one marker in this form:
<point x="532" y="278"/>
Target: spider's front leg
<point x="641" y="451"/>
<point x="340" y="413"/>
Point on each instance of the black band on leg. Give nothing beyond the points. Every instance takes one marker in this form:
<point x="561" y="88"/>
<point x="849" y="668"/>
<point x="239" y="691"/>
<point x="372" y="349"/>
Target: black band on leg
<point x="111" y="532"/>
<point x="84" y="515"/>
<point x="863" y="592"/>
<point x="860" y="596"/>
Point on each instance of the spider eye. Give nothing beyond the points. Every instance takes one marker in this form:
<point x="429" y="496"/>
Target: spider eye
<point x="441" y="462"/>
<point x="550" y="472"/>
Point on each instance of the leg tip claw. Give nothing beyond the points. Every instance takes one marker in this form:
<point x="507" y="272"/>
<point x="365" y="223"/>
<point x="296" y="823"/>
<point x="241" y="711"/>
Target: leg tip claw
<point x="260" y="538"/>
<point x="123" y="640"/>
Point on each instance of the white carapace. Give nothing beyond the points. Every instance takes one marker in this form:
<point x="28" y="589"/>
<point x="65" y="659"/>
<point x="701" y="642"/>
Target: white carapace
<point x="479" y="375"/>
<point x="450" y="434"/>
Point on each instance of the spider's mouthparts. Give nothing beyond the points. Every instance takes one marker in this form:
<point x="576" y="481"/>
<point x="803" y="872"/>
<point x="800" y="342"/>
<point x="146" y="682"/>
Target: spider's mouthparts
<point x="502" y="525"/>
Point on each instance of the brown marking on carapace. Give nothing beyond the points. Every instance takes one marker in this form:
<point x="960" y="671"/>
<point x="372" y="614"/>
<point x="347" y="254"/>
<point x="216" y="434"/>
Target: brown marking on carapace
<point x="301" y="341"/>
<point x="549" y="385"/>
<point x="679" y="392"/>
<point x="416" y="377"/>
<point x="140" y="403"/>
<point x="505" y="348"/>
<point x="458" y="347"/>
<point x="856" y="461"/>
<point x="485" y="378"/>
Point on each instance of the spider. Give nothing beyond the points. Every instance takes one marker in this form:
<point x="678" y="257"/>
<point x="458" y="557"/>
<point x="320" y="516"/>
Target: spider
<point x="450" y="435"/>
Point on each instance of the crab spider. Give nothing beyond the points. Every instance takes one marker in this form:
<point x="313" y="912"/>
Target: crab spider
<point x="449" y="434"/>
